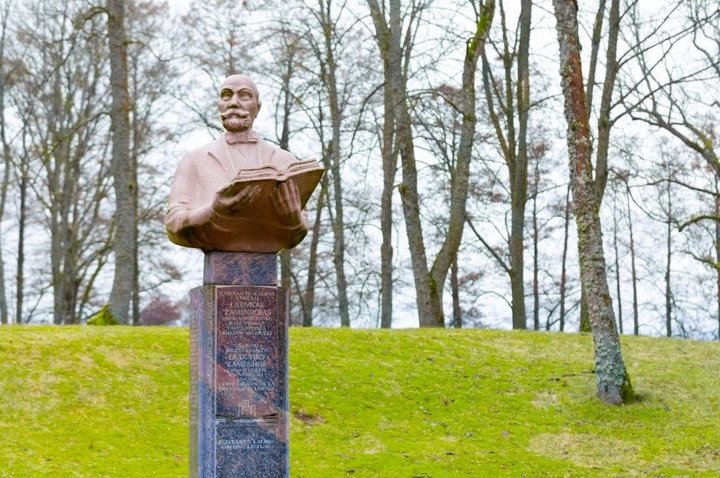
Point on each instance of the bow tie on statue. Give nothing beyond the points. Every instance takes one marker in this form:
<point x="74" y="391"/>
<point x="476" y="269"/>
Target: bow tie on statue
<point x="241" y="137"/>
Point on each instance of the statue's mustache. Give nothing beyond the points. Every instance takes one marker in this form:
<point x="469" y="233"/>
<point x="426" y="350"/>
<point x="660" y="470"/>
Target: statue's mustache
<point x="237" y="113"/>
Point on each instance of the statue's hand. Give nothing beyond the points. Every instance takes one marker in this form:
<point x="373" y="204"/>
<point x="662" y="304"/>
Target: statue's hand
<point x="229" y="204"/>
<point x="286" y="201"/>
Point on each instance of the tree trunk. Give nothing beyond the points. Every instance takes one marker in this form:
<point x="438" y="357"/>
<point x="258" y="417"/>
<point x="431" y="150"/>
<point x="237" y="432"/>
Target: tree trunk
<point x="430" y="312"/>
<point x="124" y="172"/>
<point x="519" y="179"/>
<point x="6" y="162"/>
<point x="62" y="251"/>
<point x="617" y="265"/>
<point x="388" y="36"/>
<point x="613" y="381"/>
<point x="633" y="270"/>
<point x="284" y="143"/>
<point x="668" y="261"/>
<point x="20" y="272"/>
<point x="668" y="288"/>
<point x="584" y="312"/>
<point x="536" y="239"/>
<point x="461" y="173"/>
<point x="513" y="145"/>
<point x="604" y="120"/>
<point x="3" y="196"/>
<point x="517" y="265"/>
<point x="429" y="283"/>
<point x="389" y="161"/>
<point x="338" y="224"/>
<point x="308" y="302"/>
<point x="563" y="270"/>
<point x="717" y="250"/>
<point x="455" y="287"/>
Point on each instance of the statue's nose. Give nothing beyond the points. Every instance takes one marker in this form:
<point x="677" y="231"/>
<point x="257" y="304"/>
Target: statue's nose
<point x="233" y="103"/>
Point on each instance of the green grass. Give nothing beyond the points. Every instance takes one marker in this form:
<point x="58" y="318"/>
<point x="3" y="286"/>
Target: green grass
<point x="112" y="402"/>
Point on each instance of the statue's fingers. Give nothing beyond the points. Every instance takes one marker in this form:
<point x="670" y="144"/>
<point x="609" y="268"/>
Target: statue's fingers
<point x="276" y="200"/>
<point x="254" y="192"/>
<point x="290" y="194"/>
<point x="293" y="192"/>
<point x="246" y="195"/>
<point x="280" y="190"/>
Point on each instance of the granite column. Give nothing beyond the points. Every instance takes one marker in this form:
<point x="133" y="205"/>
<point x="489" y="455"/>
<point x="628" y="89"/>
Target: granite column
<point x="238" y="369"/>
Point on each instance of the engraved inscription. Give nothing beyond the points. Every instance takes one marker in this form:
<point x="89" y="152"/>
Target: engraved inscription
<point x="245" y="444"/>
<point x="247" y="380"/>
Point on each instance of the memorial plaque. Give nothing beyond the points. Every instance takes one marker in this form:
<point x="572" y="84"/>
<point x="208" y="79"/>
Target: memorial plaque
<point x="249" y="367"/>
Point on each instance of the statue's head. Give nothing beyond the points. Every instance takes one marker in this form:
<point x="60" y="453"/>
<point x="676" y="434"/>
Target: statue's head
<point x="239" y="103"/>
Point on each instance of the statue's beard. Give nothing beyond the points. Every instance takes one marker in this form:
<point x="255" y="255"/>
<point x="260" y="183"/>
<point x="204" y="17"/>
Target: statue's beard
<point x="237" y="120"/>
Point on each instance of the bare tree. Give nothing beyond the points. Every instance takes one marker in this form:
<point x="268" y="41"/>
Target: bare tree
<point x="308" y="296"/>
<point x="23" y="176"/>
<point x="395" y="54"/>
<point x="296" y="43"/>
<point x="676" y="100"/>
<point x="6" y="151"/>
<point x="613" y="381"/>
<point x="61" y="99"/>
<point x="616" y="250"/>
<point x="123" y="168"/>
<point x="716" y="210"/>
<point x="512" y="94"/>
<point x="325" y="51"/>
<point x="633" y="268"/>
<point x="716" y="248"/>
<point x="669" y="218"/>
<point x="563" y="267"/>
<point x="429" y="282"/>
<point x="290" y="47"/>
<point x="150" y="64"/>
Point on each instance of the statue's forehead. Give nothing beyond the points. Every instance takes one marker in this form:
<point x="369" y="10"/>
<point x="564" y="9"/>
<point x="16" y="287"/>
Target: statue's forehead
<point x="237" y="82"/>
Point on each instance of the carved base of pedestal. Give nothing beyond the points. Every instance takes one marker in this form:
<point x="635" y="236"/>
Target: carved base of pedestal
<point x="238" y="382"/>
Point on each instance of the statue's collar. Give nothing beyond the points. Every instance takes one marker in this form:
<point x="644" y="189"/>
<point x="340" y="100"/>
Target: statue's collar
<point x="249" y="136"/>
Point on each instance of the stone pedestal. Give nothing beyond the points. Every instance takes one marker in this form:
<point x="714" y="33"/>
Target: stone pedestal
<point x="238" y="370"/>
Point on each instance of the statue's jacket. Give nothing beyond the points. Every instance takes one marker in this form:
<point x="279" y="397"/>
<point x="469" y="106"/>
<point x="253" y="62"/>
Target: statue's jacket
<point x="190" y="220"/>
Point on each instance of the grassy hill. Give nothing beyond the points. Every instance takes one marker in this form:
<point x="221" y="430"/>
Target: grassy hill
<point x="112" y="402"/>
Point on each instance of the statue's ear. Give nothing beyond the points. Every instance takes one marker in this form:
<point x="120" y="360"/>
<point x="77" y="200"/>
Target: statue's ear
<point x="259" y="106"/>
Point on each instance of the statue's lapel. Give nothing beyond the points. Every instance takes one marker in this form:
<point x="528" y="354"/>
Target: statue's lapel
<point x="219" y="152"/>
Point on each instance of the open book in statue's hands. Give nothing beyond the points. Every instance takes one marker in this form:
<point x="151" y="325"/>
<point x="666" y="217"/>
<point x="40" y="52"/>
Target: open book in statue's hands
<point x="257" y="187"/>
